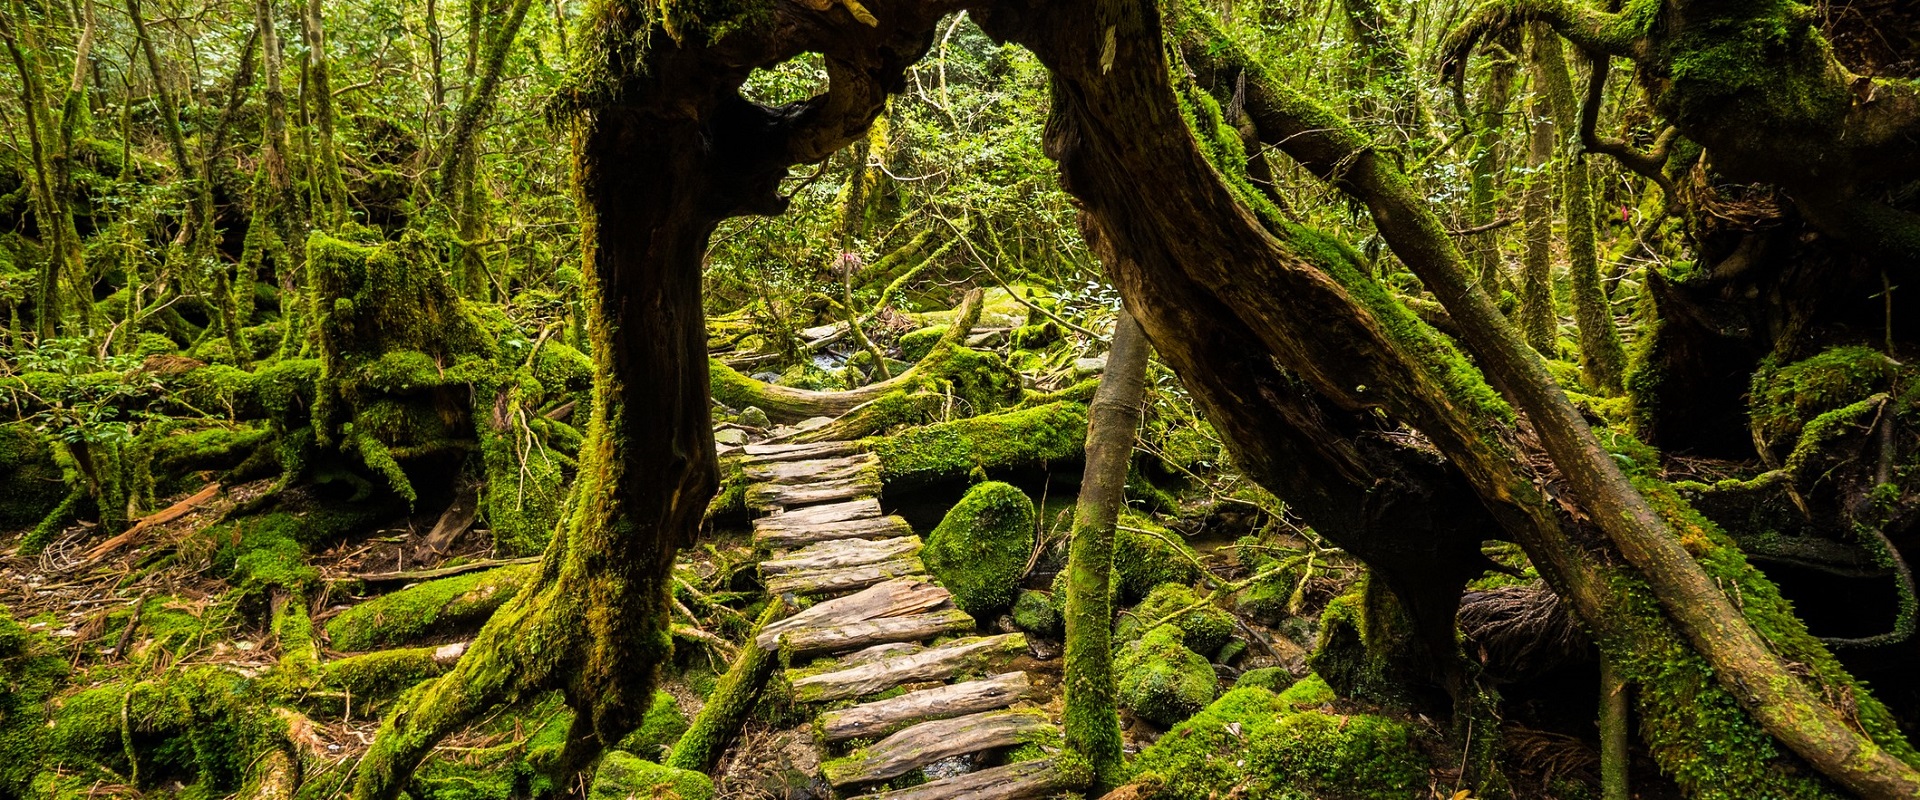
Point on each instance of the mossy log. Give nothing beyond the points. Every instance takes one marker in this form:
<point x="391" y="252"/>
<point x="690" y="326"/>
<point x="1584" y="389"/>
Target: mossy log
<point x="951" y="451"/>
<point x="448" y="605"/>
<point x="700" y="748"/>
<point x="785" y="404"/>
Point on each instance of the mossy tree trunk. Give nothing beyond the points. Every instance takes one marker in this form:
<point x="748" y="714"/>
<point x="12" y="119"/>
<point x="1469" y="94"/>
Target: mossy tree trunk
<point x="458" y="179"/>
<point x="1489" y="122"/>
<point x="1384" y="62"/>
<point x="1603" y="360"/>
<point x="1091" y="723"/>
<point x="1539" y="322"/>
<point x="328" y="198"/>
<point x="665" y="148"/>
<point x="51" y="187"/>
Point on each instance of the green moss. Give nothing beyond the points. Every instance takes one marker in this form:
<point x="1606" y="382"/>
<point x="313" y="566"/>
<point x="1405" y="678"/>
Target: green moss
<point x="996" y="443"/>
<point x="1309" y="692"/>
<point x="31" y="671"/>
<point x="462" y="601"/>
<point x="1272" y="679"/>
<point x="202" y="725"/>
<point x="1147" y="554"/>
<point x="979" y="551"/>
<point x="658" y="731"/>
<point x="1160" y="679"/>
<point x="1251" y="743"/>
<point x="35" y="483"/>
<point x="915" y="344"/>
<point x="623" y="776"/>
<point x="1785" y="399"/>
<point x="375" y="677"/>
<point x="1204" y="627"/>
<point x="1366" y="647"/>
<point x="1034" y="612"/>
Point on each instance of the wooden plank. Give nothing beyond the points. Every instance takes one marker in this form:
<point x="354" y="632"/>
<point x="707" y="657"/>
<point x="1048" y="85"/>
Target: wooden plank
<point x="823" y="469"/>
<point x="780" y="538"/>
<point x="845" y="579"/>
<point x="940" y="702"/>
<point x="840" y="554"/>
<point x="880" y="651"/>
<point x="1026" y="780"/>
<point x="811" y="516"/>
<point x="931" y="664"/>
<point x="888" y="630"/>
<point x="770" y="453"/>
<point x="897" y="598"/>
<point x="928" y="742"/>
<point x="772" y="496"/>
<point x="917" y="627"/>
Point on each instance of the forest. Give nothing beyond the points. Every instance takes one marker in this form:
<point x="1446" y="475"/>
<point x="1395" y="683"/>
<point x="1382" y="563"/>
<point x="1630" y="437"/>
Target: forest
<point x="937" y="399"/>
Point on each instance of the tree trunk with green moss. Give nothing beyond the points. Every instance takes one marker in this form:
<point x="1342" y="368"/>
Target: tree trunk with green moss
<point x="1091" y="723"/>
<point x="1539" y="322"/>
<point x="1603" y="360"/>
<point x="655" y="180"/>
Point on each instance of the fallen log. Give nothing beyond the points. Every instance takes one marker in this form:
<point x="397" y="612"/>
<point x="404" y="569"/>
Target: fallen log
<point x="928" y="742"/>
<point x="972" y="697"/>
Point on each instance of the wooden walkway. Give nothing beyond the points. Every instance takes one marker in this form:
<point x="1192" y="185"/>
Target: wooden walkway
<point x="829" y="539"/>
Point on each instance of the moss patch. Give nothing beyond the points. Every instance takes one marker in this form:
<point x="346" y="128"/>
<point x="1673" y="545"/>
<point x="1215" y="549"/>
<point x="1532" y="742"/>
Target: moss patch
<point x="979" y="551"/>
<point x="1160" y="679"/>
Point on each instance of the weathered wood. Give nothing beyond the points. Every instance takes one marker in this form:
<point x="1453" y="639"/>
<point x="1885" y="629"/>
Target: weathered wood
<point x="848" y="636"/>
<point x="972" y="697"/>
<point x="782" y="538"/>
<point x="881" y="651"/>
<point x="802" y="518"/>
<point x="841" y="554"/>
<point x="1023" y="781"/>
<point x="845" y="579"/>
<point x="770" y="496"/>
<point x="890" y="599"/>
<point x="928" y="742"/>
<point x="931" y="664"/>
<point x="770" y="453"/>
<point x="151" y="521"/>
<point x="823" y="469"/>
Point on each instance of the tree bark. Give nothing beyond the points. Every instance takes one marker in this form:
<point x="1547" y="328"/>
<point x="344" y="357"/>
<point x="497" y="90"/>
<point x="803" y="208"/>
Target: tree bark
<point x="1603" y="360"/>
<point x="1539" y="322"/>
<point x="1091" y="722"/>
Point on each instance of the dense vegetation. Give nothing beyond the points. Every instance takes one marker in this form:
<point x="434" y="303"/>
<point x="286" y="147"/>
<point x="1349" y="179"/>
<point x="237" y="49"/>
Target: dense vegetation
<point x="1326" y="398"/>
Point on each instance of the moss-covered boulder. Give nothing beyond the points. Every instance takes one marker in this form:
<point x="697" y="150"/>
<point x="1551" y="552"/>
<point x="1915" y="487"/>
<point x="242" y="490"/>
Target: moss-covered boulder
<point x="31" y="670"/>
<point x="625" y="776"/>
<point x="1252" y="743"/>
<point x="1272" y="679"/>
<point x="1204" y="627"/>
<point x="1034" y="612"/>
<point x="979" y="552"/>
<point x="1146" y="554"/>
<point x="1161" y="680"/>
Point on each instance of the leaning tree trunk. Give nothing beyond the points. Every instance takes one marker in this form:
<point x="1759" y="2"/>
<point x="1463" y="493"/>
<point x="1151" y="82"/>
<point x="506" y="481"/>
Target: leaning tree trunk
<point x="1091" y="723"/>
<point x="665" y="149"/>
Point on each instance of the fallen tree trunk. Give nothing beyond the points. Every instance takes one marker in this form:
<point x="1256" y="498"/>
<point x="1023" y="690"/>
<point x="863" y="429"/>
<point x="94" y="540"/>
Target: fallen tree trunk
<point x="785" y="404"/>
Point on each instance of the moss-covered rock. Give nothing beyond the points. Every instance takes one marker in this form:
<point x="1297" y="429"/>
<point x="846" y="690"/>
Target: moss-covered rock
<point x="1146" y="554"/>
<point x="980" y="550"/>
<point x="1786" y="398"/>
<point x="31" y="670"/>
<point x="624" y="776"/>
<point x="1252" y="743"/>
<point x="1161" y="680"/>
<point x="1035" y="613"/>
<point x="1204" y="627"/>
<point x="658" y="731"/>
<point x="408" y="615"/>
<point x="1272" y="679"/>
